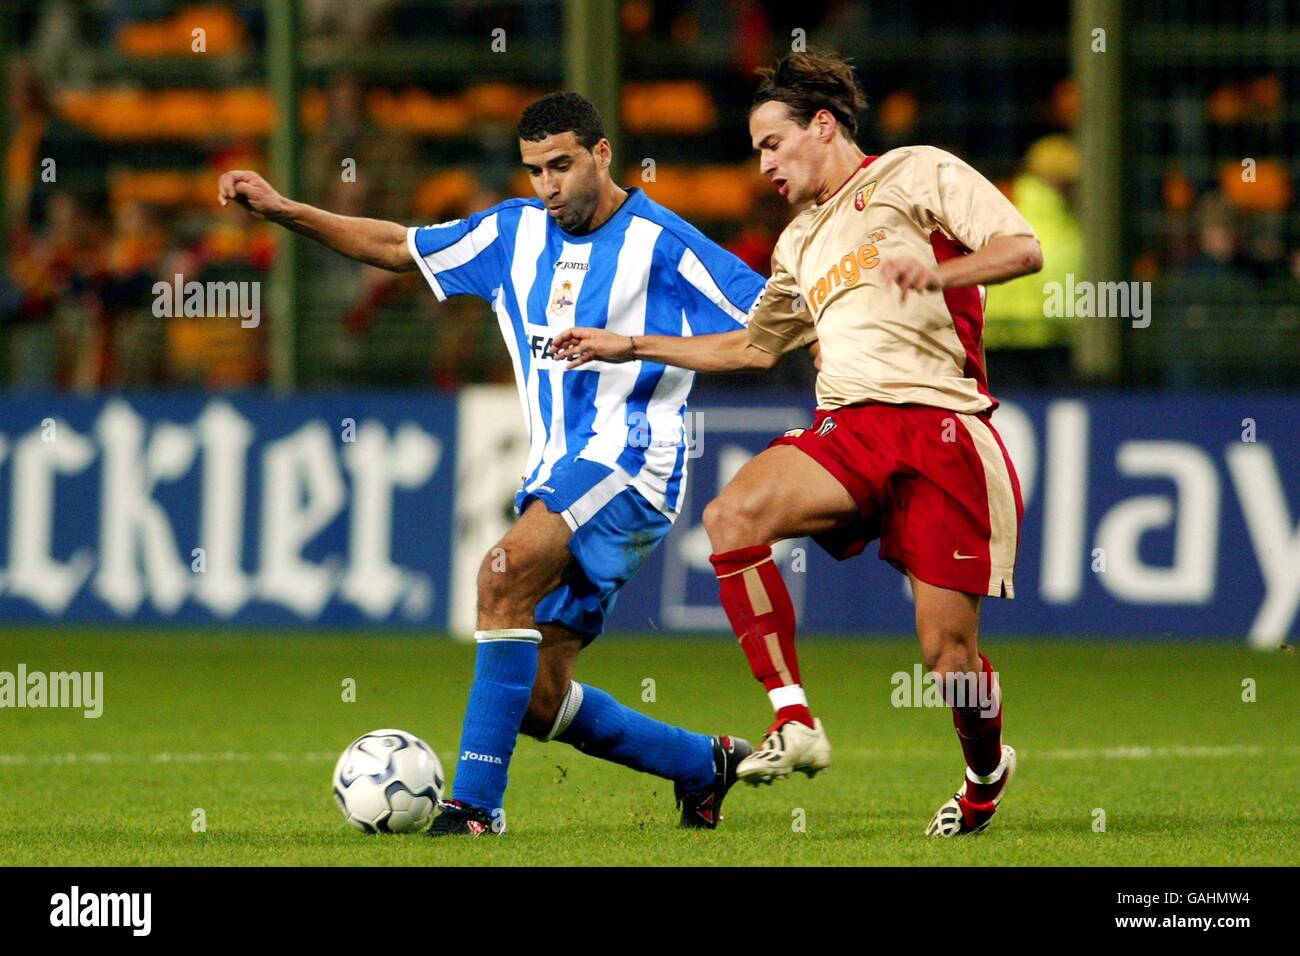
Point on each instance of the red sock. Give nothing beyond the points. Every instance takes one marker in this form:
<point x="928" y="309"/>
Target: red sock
<point x="981" y="736"/>
<point x="759" y="609"/>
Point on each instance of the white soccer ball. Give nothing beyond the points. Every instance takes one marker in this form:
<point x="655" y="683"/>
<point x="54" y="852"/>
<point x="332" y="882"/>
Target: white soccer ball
<point x="388" y="781"/>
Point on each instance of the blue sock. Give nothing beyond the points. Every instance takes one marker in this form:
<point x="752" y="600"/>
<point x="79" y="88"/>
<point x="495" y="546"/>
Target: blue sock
<point x="602" y="727"/>
<point x="503" y="681"/>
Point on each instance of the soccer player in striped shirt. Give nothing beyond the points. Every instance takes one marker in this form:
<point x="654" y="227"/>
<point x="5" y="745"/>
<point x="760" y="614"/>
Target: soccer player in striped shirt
<point x="884" y="270"/>
<point x="607" y="454"/>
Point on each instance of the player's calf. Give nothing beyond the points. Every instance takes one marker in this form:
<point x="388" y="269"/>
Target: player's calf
<point x="761" y="613"/>
<point x="504" y="671"/>
<point x="539" y="718"/>
<point x="552" y="688"/>
<point x="528" y="563"/>
<point x="701" y="768"/>
<point x="975" y="695"/>
<point x="780" y="493"/>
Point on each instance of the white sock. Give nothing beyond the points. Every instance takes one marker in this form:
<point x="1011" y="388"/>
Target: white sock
<point x="791" y="695"/>
<point x="987" y="778"/>
<point x="509" y="634"/>
<point x="569" y="708"/>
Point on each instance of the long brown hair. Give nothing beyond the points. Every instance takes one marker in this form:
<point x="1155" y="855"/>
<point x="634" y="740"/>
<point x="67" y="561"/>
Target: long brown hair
<point x="809" y="82"/>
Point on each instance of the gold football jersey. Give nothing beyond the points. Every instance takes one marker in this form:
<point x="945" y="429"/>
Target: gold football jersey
<point x="915" y="201"/>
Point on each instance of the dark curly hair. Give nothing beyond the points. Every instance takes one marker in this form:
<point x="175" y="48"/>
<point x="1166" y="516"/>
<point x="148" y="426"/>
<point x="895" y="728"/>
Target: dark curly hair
<point x="812" y="81"/>
<point x="562" y="113"/>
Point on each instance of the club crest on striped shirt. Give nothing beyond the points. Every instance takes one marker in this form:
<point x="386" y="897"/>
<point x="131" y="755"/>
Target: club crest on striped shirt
<point x="562" y="304"/>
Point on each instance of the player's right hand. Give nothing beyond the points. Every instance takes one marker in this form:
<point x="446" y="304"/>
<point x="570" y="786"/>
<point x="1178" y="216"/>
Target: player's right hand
<point x="252" y="192"/>
<point x="581" y="344"/>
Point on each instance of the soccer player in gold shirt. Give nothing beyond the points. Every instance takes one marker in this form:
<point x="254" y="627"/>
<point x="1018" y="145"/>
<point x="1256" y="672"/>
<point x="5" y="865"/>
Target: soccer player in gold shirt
<point x="884" y="271"/>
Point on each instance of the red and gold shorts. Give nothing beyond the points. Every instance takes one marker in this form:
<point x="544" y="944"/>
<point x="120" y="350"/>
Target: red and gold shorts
<point x="935" y="486"/>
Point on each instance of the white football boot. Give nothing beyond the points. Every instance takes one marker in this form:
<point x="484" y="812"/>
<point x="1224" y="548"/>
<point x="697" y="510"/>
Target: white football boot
<point x="960" y="816"/>
<point x="790" y="747"/>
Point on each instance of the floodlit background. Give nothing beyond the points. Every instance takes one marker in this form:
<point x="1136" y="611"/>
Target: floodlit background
<point x="1129" y="162"/>
<point x="1152" y="146"/>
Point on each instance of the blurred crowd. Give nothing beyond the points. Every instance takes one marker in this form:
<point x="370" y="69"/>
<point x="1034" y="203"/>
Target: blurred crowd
<point x="95" y="215"/>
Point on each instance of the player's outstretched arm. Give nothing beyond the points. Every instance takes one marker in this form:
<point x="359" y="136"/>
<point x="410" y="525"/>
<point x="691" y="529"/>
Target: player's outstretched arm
<point x="1001" y="259"/>
<point x="720" y="352"/>
<point x="372" y="241"/>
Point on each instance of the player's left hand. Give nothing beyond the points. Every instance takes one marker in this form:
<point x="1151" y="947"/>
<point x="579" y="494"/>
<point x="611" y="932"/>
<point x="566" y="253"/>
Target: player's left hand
<point x="910" y="274"/>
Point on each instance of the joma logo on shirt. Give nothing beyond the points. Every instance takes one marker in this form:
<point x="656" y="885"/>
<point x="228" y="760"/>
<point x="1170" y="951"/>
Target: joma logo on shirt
<point x="848" y="271"/>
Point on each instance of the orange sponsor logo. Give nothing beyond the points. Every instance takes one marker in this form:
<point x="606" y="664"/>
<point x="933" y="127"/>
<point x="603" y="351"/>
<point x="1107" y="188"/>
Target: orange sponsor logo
<point x="847" y="272"/>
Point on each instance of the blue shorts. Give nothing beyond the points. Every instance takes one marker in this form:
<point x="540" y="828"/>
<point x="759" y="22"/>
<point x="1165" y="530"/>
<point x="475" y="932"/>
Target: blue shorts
<point x="614" y="531"/>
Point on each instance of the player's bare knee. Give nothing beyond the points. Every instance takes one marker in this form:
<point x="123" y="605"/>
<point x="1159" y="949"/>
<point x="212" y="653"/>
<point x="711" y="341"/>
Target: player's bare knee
<point x="950" y="659"/>
<point x="714" y="517"/>
<point x="493" y="593"/>
<point x="732" y="521"/>
<point x="503" y="598"/>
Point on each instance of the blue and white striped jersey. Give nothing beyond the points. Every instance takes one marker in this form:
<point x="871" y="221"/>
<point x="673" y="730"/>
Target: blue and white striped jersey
<point x="644" y="271"/>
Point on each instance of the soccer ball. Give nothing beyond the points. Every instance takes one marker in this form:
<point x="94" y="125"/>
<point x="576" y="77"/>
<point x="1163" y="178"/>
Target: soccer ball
<point x="388" y="781"/>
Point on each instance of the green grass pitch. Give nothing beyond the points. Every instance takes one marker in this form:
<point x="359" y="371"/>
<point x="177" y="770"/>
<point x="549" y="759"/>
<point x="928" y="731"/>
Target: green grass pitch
<point x="247" y="727"/>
